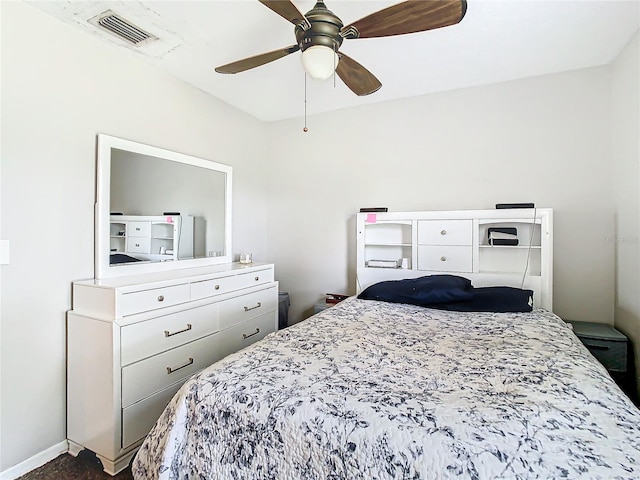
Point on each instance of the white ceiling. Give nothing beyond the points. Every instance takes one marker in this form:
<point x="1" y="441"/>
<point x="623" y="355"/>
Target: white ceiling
<point x="498" y="40"/>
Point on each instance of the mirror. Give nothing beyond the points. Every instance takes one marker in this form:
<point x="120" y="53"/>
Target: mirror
<point x="159" y="210"/>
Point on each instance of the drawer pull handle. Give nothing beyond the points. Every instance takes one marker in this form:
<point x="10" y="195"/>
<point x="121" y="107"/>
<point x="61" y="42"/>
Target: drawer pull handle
<point x="443" y="232"/>
<point x="245" y="336"/>
<point x="246" y="309"/>
<point x="443" y="258"/>
<point x="169" y="334"/>
<point x="257" y="278"/>
<point x="171" y="370"/>
<point x="217" y="287"/>
<point x="161" y="298"/>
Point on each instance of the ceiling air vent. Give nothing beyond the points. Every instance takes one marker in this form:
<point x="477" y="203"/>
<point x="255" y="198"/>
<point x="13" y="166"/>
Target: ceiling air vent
<point x="124" y="29"/>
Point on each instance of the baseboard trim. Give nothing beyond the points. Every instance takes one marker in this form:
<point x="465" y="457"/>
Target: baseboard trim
<point x="34" y="462"/>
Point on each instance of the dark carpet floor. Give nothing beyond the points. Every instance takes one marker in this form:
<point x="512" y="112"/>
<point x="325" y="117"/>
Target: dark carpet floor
<point x="67" y="467"/>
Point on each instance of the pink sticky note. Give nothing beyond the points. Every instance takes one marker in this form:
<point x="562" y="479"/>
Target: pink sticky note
<point x="169" y="219"/>
<point x="371" y="218"/>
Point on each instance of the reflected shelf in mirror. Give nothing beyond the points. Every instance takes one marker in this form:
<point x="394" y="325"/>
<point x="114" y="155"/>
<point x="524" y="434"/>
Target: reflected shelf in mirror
<point x="158" y="210"/>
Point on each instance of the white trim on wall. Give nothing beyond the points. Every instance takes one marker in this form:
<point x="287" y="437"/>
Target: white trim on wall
<point x="36" y="461"/>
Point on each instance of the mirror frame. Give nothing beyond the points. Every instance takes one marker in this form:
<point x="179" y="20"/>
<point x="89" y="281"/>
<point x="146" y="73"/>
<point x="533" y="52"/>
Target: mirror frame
<point x="103" y="211"/>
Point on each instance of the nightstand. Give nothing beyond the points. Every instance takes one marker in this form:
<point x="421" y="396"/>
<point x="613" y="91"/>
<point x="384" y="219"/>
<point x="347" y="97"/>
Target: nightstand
<point x="320" y="306"/>
<point x="606" y="343"/>
<point x="610" y="347"/>
<point x="330" y="301"/>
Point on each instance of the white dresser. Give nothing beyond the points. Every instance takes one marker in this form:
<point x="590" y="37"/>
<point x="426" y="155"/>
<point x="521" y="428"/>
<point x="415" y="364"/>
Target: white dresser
<point x="134" y="340"/>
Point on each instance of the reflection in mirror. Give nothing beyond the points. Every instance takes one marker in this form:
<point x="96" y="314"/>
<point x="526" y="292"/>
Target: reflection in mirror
<point x="153" y="189"/>
<point x="159" y="210"/>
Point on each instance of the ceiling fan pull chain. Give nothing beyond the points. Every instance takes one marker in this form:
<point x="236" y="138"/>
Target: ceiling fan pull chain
<point x="305" y="129"/>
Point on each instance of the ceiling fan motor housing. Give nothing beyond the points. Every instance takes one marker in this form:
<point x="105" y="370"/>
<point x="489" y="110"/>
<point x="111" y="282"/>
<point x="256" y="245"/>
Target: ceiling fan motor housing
<point x="324" y="30"/>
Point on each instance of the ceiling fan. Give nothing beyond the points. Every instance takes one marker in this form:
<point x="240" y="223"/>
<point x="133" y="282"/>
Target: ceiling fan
<point x="319" y="34"/>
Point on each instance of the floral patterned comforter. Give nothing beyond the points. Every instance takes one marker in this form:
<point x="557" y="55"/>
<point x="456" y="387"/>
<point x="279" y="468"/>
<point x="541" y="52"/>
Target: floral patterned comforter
<point x="371" y="390"/>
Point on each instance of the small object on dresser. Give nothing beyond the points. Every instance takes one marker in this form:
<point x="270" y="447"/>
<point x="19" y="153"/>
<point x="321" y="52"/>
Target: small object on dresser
<point x="503" y="236"/>
<point x="374" y="210"/>
<point x="246" y="258"/>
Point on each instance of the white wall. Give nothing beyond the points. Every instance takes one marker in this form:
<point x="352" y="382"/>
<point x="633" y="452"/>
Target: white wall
<point x="626" y="186"/>
<point x="59" y="89"/>
<point x="545" y="140"/>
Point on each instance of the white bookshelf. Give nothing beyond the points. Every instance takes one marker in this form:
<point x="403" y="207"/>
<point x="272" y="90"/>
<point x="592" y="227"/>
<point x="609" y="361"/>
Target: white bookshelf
<point x="457" y="242"/>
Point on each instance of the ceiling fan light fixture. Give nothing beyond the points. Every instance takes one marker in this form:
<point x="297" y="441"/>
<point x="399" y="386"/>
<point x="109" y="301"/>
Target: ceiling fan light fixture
<point x="319" y="61"/>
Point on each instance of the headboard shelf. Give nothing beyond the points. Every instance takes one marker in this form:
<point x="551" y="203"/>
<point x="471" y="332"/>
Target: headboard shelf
<point x="460" y="242"/>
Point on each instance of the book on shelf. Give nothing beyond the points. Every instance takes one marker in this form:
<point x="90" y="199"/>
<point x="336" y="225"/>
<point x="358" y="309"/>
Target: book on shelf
<point x="383" y="263"/>
<point x="503" y="236"/>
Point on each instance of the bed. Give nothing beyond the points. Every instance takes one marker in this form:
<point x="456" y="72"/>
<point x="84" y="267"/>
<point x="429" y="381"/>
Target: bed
<point x="372" y="389"/>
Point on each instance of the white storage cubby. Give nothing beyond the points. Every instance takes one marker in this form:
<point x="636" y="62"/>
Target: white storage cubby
<point x="117" y="235"/>
<point x="156" y="238"/>
<point x="457" y="242"/>
<point x="389" y="241"/>
<point x="526" y="255"/>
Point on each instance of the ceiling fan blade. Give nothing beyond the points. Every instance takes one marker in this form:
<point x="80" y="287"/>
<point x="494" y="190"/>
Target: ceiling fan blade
<point x="407" y="17"/>
<point x="288" y="11"/>
<point x="360" y="80"/>
<point x="256" y="61"/>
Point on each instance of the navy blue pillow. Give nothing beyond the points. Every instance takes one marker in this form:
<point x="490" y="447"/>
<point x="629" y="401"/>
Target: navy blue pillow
<point x="493" y="299"/>
<point x="423" y="291"/>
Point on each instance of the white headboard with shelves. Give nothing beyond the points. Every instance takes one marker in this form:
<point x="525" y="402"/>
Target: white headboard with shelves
<point x="397" y="245"/>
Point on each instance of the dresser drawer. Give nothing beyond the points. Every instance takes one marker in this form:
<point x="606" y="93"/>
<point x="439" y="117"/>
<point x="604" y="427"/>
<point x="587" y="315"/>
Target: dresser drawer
<point x="148" y="376"/>
<point x="138" y="245"/>
<point x="607" y="344"/>
<point x="244" y="334"/>
<point x="445" y="258"/>
<point x="137" y="419"/>
<point x="445" y="232"/>
<point x="218" y="286"/>
<point x="152" y="299"/>
<point x="145" y="339"/>
<point x="244" y="307"/>
<point x="611" y="354"/>
<point x="138" y="229"/>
